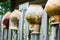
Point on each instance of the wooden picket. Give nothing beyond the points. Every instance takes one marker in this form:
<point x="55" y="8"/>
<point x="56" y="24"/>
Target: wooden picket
<point x="23" y="26"/>
<point x="43" y="34"/>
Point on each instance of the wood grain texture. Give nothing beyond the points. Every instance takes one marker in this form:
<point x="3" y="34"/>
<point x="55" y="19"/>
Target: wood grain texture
<point x="5" y="37"/>
<point x="9" y="34"/>
<point x="43" y="31"/>
<point x="14" y="35"/>
<point x="26" y="31"/>
<point x="21" y="29"/>
<point x="35" y="37"/>
<point x="53" y="35"/>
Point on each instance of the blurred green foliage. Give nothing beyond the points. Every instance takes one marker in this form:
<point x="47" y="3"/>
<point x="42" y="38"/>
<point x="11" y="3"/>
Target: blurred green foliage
<point x="4" y="7"/>
<point x="49" y="28"/>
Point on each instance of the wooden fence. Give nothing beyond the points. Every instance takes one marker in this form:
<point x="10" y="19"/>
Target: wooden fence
<point x="22" y="33"/>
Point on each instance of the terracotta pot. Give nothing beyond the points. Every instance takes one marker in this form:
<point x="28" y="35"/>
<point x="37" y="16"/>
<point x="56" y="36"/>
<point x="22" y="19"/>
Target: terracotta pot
<point x="34" y="28"/>
<point x="33" y="14"/>
<point x="55" y="19"/>
<point x="14" y="19"/>
<point x="53" y="10"/>
<point x="33" y="17"/>
<point x="52" y="7"/>
<point x="5" y="20"/>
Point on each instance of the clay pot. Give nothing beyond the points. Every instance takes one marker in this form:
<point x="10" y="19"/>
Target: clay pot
<point x="53" y="10"/>
<point x="5" y="20"/>
<point x="52" y="7"/>
<point x="14" y="19"/>
<point x="55" y="19"/>
<point x="33" y="17"/>
<point x="33" y="14"/>
<point x="34" y="28"/>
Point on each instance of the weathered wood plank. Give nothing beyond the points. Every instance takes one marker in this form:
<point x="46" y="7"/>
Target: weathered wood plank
<point x="24" y="6"/>
<point x="26" y="31"/>
<point x="5" y="34"/>
<point x="9" y="34"/>
<point x="14" y="35"/>
<point x="59" y="32"/>
<point x="20" y="28"/>
<point x="53" y="33"/>
<point x="21" y="20"/>
<point x="43" y="31"/>
<point x="1" y="33"/>
<point x="35" y="37"/>
<point x="1" y="30"/>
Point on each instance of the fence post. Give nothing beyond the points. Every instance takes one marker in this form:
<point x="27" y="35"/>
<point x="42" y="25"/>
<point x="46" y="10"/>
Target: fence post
<point x="14" y="34"/>
<point x="43" y="32"/>
<point x="53" y="35"/>
<point x="59" y="32"/>
<point x="23" y="8"/>
<point x="9" y="34"/>
<point x="1" y="31"/>
<point x="35" y="37"/>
